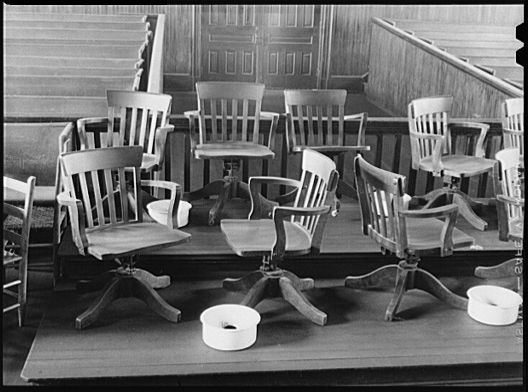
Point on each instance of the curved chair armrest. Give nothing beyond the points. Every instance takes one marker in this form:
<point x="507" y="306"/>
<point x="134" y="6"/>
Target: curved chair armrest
<point x="436" y="155"/>
<point x="274" y="117"/>
<point x="175" y="197"/>
<point x="362" y="117"/>
<point x="76" y="212"/>
<point x="191" y="116"/>
<point x="479" y="147"/>
<point x="280" y="213"/>
<point x="160" y="140"/>
<point x="256" y="205"/>
<point x="449" y="212"/>
<point x="511" y="200"/>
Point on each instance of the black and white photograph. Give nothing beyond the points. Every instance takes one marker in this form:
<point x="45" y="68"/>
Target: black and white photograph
<point x="263" y="195"/>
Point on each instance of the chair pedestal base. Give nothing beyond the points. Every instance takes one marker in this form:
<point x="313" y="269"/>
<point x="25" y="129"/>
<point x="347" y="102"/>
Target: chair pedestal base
<point x="120" y="285"/>
<point x="277" y="283"/>
<point x="465" y="205"/>
<point x="405" y="276"/>
<point x="226" y="189"/>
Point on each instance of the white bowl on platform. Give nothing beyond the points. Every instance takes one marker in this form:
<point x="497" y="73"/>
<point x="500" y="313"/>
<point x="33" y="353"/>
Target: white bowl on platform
<point x="158" y="211"/>
<point x="229" y="327"/>
<point x="493" y="305"/>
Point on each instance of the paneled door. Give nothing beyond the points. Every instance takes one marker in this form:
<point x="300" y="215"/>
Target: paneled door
<point x="277" y="45"/>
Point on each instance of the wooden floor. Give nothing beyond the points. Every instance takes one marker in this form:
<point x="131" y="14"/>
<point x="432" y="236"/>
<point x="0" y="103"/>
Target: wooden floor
<point x="433" y="344"/>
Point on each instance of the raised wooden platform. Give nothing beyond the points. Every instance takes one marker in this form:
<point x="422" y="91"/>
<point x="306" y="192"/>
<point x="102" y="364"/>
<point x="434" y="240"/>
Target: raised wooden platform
<point x="130" y="345"/>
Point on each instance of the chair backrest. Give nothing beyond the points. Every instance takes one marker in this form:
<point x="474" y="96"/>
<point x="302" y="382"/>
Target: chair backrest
<point x="319" y="176"/>
<point x="507" y="181"/>
<point x="380" y="194"/>
<point x="133" y="117"/>
<point x="428" y="116"/>
<point x="513" y="123"/>
<point x="104" y="189"/>
<point x="229" y="111"/>
<point x="21" y="216"/>
<point x="513" y="114"/>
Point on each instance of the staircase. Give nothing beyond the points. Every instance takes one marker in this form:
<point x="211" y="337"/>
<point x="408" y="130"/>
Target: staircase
<point x="487" y="47"/>
<point x="59" y="66"/>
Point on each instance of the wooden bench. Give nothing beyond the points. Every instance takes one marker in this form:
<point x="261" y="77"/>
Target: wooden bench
<point x="78" y="25"/>
<point x="60" y="33"/>
<point x="72" y="50"/>
<point x="29" y="16"/>
<point x="43" y="72"/>
<point x="69" y="85"/>
<point x="54" y="107"/>
<point x="86" y="62"/>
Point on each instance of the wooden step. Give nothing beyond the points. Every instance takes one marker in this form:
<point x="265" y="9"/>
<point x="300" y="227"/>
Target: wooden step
<point x="88" y="50"/>
<point x="78" y="25"/>
<point x="514" y="73"/>
<point x="418" y="25"/>
<point x="85" y="62"/>
<point x="47" y="41"/>
<point x="14" y="15"/>
<point x="61" y="108"/>
<point x="68" y="71"/>
<point x="465" y="52"/>
<point x="60" y="33"/>
<point x="66" y="85"/>
<point x="513" y="45"/>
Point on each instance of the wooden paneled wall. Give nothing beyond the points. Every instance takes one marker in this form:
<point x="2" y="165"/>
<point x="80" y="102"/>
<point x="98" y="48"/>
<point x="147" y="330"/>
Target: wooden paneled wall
<point x="352" y="27"/>
<point x="403" y="68"/>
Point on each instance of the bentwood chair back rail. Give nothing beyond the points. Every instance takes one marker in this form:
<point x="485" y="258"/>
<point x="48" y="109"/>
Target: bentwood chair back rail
<point x="106" y="216"/>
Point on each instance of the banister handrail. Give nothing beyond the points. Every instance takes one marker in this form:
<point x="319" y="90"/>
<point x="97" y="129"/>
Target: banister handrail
<point x="483" y="76"/>
<point x="155" y="77"/>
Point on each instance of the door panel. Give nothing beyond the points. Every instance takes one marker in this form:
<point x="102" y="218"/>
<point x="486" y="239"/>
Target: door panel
<point x="274" y="44"/>
<point x="228" y="42"/>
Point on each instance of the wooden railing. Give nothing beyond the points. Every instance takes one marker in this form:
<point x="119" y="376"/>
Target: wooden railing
<point x="155" y="66"/>
<point x="404" y="67"/>
<point x="388" y="139"/>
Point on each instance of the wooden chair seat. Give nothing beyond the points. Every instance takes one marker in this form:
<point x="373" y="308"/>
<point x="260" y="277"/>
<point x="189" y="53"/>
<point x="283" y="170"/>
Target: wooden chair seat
<point x="460" y="165"/>
<point x="255" y="238"/>
<point x="132" y="238"/>
<point x="232" y="150"/>
<point x="423" y="234"/>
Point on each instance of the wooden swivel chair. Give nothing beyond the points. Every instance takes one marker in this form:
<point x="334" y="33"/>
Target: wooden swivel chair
<point x="135" y="118"/>
<point x="513" y="124"/>
<point x="408" y="234"/>
<point x="229" y="116"/>
<point x="105" y="226"/>
<point x="311" y="119"/>
<point x="16" y="244"/>
<point x="291" y="231"/>
<point x="431" y="151"/>
<point x="510" y="212"/>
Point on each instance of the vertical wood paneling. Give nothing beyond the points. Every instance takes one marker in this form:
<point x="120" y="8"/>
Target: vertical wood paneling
<point x="400" y="71"/>
<point x="352" y="27"/>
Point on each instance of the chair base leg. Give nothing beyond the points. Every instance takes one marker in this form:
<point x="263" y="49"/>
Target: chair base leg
<point x="156" y="282"/>
<point x="465" y="205"/>
<point x="405" y="276"/>
<point x="277" y="283"/>
<point x="123" y="286"/>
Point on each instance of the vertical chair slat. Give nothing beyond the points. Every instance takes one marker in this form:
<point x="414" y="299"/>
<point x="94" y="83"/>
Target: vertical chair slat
<point x="300" y="122"/>
<point x="122" y="129"/>
<point x="152" y="133"/>
<point x="223" y="103"/>
<point x="329" y="128"/>
<point x="319" y="125"/>
<point x="341" y="127"/>
<point x="143" y="128"/>
<point x="110" y="195"/>
<point x="256" y="125"/>
<point x="133" y="126"/>
<point x="98" y="198"/>
<point x="86" y="198"/>
<point x="213" y="120"/>
<point x="203" y="136"/>
<point x="309" y="118"/>
<point x="234" y="121"/>
<point x="109" y="129"/>
<point x="244" y="120"/>
<point x="123" y="193"/>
